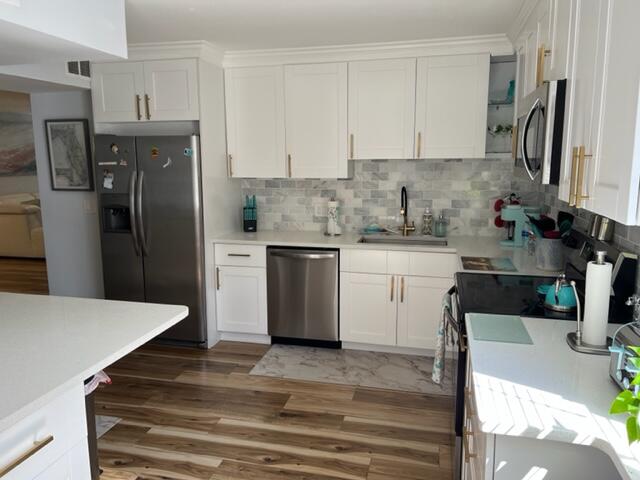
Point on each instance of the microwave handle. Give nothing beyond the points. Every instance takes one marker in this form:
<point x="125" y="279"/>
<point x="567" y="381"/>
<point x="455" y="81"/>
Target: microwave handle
<point x="523" y="145"/>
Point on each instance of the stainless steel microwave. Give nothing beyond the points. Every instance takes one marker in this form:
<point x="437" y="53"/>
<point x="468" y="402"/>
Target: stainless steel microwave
<point x="539" y="132"/>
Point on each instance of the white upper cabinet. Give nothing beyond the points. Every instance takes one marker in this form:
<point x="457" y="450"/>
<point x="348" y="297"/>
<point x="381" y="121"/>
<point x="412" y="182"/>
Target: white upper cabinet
<point x="382" y="108"/>
<point x="560" y="14"/>
<point x="316" y="120"/>
<point x="255" y="122"/>
<point x="117" y="91"/>
<point x="451" y="106"/>
<point x="162" y="90"/>
<point x="171" y="89"/>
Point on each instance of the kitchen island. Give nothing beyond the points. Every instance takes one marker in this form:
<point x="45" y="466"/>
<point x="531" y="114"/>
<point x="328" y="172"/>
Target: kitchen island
<point x="49" y="346"/>
<point x="544" y="408"/>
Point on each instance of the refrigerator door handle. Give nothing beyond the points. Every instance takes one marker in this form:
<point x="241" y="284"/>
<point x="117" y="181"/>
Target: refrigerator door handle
<point x="132" y="212"/>
<point x="143" y="239"/>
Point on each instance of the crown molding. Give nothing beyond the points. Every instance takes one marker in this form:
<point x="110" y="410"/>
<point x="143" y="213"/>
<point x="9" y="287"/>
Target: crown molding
<point x="518" y="24"/>
<point x="167" y="50"/>
<point x="492" y="44"/>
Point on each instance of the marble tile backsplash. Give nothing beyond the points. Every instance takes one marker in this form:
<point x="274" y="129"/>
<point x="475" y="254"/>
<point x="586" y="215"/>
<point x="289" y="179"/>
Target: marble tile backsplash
<point x="464" y="190"/>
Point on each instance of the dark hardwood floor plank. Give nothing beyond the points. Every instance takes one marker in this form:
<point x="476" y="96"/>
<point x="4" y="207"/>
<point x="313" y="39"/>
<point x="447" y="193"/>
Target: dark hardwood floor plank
<point x="190" y="414"/>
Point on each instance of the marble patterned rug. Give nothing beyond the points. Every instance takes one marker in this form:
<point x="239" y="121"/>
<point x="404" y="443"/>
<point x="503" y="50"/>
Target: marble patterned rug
<point x="104" y="423"/>
<point x="391" y="371"/>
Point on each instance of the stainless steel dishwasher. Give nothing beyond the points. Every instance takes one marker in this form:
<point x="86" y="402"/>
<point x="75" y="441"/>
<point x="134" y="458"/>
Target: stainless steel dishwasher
<point x="302" y="294"/>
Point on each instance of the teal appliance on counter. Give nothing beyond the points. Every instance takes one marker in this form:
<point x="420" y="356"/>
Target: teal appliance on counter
<point x="520" y="215"/>
<point x="559" y="296"/>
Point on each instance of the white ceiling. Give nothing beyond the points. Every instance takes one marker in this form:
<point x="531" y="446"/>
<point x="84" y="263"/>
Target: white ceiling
<point x="259" y="24"/>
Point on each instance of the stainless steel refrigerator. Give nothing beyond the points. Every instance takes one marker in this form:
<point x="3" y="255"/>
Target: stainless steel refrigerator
<point x="150" y="205"/>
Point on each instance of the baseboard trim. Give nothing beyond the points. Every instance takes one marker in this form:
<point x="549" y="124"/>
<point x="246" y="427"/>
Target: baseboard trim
<point x="245" y="337"/>
<point x="425" y="352"/>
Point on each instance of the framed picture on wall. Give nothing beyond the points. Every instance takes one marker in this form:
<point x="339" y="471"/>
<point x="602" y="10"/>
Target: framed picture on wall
<point x="69" y="154"/>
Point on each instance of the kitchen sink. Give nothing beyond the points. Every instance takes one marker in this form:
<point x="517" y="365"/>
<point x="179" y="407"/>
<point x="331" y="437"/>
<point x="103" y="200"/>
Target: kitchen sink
<point x="395" y="239"/>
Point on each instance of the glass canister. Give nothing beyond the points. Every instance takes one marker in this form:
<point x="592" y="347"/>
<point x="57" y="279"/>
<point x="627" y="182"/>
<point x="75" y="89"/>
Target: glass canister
<point x="440" y="229"/>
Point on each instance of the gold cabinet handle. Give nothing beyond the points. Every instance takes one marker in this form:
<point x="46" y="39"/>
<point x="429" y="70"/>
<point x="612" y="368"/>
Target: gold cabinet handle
<point x="393" y="286"/>
<point x="468" y="402"/>
<point x="542" y="52"/>
<point x="230" y="164"/>
<point x="514" y="141"/>
<point x="217" y="278"/>
<point x="351" y="146"/>
<point x="573" y="184"/>
<point x="289" y="164"/>
<point x="401" y="289"/>
<point x="580" y="183"/>
<point x="138" y="114"/>
<point x="419" y="146"/>
<point x="465" y="439"/>
<point x="147" y="99"/>
<point x="35" y="448"/>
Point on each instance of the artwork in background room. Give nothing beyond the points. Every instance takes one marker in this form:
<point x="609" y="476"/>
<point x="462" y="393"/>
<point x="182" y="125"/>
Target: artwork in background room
<point x="17" y="153"/>
<point x="69" y="154"/>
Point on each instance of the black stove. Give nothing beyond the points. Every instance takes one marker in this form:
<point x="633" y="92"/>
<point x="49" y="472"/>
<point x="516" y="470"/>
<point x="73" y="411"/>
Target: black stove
<point x="505" y="295"/>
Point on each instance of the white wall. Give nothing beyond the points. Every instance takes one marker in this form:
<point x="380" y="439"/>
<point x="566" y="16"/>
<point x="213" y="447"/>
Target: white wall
<point x="70" y="219"/>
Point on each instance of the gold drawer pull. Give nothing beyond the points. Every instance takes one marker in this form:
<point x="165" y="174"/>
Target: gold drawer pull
<point x="138" y="114"/>
<point x="542" y="52"/>
<point x="580" y="182"/>
<point x="419" y="147"/>
<point x="393" y="285"/>
<point x="573" y="183"/>
<point x="37" y="446"/>
<point x="467" y="449"/>
<point x="147" y="99"/>
<point x="468" y="402"/>
<point x="351" y="146"/>
<point x="217" y="278"/>
<point x="238" y="254"/>
<point x="289" y="165"/>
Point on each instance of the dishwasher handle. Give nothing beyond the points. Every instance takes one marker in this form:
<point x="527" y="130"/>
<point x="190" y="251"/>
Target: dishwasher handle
<point x="303" y="255"/>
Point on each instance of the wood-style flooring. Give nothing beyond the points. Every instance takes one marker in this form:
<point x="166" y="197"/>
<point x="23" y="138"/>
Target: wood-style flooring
<point x="23" y="275"/>
<point x="196" y="414"/>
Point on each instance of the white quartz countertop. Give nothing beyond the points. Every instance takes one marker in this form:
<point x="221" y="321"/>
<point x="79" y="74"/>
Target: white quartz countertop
<point x="549" y="392"/>
<point x="48" y="344"/>
<point x="461" y="245"/>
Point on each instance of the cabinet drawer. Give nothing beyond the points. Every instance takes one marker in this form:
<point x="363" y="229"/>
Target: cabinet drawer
<point x="241" y="255"/>
<point x="44" y="436"/>
<point x="363" y="261"/>
<point x="424" y="264"/>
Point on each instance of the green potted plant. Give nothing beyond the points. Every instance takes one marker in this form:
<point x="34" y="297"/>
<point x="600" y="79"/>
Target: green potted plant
<point x="628" y="401"/>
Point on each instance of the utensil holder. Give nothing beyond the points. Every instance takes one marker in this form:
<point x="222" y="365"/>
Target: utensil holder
<point x="249" y="219"/>
<point x="549" y="254"/>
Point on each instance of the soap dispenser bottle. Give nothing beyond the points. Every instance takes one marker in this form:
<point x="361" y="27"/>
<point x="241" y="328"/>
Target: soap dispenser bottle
<point x="427" y="222"/>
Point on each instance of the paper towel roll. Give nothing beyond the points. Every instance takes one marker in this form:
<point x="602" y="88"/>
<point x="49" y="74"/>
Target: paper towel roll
<point x="596" y="303"/>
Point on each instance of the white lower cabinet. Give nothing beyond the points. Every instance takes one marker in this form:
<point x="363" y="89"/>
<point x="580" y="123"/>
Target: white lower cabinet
<point x="393" y="298"/>
<point x="241" y="299"/>
<point x="50" y="443"/>
<point x="488" y="456"/>
<point x="419" y="310"/>
<point x="368" y="304"/>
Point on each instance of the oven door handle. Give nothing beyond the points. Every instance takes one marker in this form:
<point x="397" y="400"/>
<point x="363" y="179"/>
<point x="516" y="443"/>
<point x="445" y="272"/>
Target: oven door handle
<point x="525" y="135"/>
<point x="453" y="323"/>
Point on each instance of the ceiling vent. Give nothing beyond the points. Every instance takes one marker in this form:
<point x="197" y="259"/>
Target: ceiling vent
<point x="79" y="68"/>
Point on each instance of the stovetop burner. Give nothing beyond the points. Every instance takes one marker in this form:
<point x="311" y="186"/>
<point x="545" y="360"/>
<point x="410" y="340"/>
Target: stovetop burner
<point x="505" y="294"/>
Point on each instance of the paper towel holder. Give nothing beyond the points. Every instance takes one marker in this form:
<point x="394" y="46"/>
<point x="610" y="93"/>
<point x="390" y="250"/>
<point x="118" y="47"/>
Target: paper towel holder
<point x="574" y="339"/>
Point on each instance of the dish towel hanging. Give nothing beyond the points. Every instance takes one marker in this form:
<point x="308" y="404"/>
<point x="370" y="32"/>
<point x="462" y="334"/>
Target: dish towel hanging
<point x="441" y="342"/>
